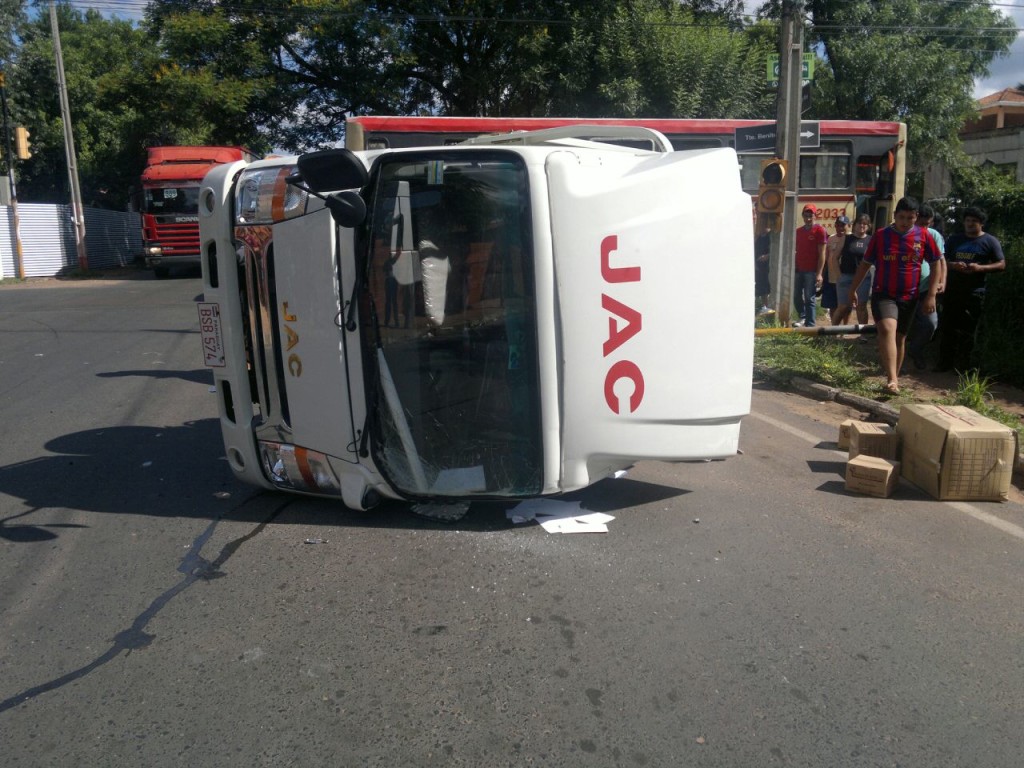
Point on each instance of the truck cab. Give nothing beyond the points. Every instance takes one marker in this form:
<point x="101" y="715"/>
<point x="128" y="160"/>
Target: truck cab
<point x="515" y="317"/>
<point x="169" y="202"/>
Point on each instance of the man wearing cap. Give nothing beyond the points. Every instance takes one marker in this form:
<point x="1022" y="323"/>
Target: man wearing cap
<point x="810" y="264"/>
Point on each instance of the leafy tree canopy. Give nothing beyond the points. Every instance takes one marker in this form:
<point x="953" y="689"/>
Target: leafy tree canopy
<point x="123" y="96"/>
<point x="320" y="61"/>
<point x="913" y="61"/>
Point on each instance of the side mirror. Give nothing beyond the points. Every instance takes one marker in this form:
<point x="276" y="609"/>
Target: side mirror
<point x="332" y="169"/>
<point x="347" y="208"/>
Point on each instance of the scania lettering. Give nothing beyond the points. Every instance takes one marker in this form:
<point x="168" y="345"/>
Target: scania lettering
<point x="480" y="321"/>
<point x="169" y="202"/>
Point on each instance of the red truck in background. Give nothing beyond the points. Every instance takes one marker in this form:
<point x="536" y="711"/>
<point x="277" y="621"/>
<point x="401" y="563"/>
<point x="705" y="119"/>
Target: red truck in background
<point x="170" y="201"/>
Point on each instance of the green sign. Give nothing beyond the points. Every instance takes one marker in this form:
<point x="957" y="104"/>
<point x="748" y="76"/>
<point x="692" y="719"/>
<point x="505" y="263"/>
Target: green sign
<point x="806" y="68"/>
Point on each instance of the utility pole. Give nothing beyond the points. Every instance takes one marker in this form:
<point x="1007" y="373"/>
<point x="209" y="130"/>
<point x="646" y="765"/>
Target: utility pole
<point x="77" y="209"/>
<point x="787" y="147"/>
<point x="18" y="255"/>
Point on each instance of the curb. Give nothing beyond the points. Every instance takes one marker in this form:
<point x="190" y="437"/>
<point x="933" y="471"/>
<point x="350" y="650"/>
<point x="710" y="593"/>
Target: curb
<point x="880" y="411"/>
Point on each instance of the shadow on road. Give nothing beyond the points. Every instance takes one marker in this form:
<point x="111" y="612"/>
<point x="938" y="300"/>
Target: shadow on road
<point x="198" y="376"/>
<point x="181" y="472"/>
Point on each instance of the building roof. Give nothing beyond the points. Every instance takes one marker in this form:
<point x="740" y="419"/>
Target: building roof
<point x="1006" y="97"/>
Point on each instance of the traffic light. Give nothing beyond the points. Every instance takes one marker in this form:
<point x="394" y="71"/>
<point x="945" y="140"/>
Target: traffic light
<point x="21" y="142"/>
<point x="771" y="193"/>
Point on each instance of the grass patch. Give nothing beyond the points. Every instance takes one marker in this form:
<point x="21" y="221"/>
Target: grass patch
<point x="972" y="391"/>
<point x="839" y="364"/>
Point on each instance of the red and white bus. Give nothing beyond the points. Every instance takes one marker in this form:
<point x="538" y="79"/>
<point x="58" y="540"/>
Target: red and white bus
<point x="858" y="167"/>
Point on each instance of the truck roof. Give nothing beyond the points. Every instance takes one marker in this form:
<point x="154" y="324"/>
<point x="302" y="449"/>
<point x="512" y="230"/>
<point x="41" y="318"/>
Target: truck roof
<point x="188" y="163"/>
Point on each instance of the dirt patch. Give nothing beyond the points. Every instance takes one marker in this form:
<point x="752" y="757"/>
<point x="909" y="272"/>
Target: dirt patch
<point x="927" y="386"/>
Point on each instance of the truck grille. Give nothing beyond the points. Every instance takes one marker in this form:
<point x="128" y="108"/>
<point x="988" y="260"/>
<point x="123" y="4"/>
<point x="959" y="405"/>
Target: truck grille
<point x="177" y="238"/>
<point x="262" y="332"/>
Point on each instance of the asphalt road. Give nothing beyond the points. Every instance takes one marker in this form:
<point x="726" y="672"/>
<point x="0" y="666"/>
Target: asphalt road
<point x="155" y="612"/>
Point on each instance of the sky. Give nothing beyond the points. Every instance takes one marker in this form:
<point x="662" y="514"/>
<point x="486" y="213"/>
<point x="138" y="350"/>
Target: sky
<point x="1005" y="72"/>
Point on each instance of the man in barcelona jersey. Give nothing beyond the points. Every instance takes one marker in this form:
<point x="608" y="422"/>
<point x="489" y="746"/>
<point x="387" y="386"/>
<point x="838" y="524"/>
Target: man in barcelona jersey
<point x="897" y="253"/>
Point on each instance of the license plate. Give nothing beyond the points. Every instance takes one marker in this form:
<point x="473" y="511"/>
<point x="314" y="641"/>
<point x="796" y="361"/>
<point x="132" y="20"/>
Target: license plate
<point x="210" y="333"/>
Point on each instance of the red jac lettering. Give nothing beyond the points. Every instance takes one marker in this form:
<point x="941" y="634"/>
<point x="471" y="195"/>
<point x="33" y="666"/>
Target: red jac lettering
<point x="624" y="369"/>
<point x="619" y="335"/>
<point x="616" y="274"/>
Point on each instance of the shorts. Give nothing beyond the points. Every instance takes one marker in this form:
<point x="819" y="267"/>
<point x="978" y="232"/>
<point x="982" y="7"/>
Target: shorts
<point x="829" y="299"/>
<point x="863" y="290"/>
<point x="885" y="308"/>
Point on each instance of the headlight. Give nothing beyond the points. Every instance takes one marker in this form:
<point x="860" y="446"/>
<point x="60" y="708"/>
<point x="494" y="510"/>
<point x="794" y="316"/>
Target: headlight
<point x="299" y="469"/>
<point x="262" y="196"/>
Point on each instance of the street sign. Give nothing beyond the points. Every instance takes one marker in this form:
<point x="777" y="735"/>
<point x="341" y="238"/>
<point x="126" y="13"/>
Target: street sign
<point x="810" y="134"/>
<point x="806" y="68"/>
<point x="757" y="138"/>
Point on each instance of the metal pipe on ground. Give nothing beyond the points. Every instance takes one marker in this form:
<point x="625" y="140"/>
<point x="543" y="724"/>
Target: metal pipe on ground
<point x="819" y="330"/>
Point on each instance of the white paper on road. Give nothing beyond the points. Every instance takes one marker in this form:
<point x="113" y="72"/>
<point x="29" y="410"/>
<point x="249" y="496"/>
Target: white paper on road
<point x="560" y="516"/>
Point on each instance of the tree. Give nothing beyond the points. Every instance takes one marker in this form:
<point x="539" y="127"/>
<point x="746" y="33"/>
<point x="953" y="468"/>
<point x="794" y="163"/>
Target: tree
<point x="319" y="62"/>
<point x="656" y="59"/>
<point x="12" y="14"/>
<point x="123" y="96"/>
<point x="907" y="60"/>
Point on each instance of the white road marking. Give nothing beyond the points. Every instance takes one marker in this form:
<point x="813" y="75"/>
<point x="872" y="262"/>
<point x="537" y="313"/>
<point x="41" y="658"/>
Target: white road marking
<point x="807" y="436"/>
<point x="985" y="517"/>
<point x="967" y="509"/>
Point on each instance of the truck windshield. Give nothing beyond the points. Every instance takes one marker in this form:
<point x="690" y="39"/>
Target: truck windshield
<point x="160" y="200"/>
<point x="455" y="398"/>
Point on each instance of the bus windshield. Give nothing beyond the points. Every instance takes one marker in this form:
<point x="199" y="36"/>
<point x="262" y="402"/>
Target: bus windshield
<point x="454" y="400"/>
<point x="158" y="200"/>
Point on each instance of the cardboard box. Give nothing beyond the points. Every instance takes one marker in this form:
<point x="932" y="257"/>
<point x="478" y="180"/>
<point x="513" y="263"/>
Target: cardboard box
<point x="843" y="441"/>
<point x="872" y="475"/>
<point x="874" y="440"/>
<point x="952" y="452"/>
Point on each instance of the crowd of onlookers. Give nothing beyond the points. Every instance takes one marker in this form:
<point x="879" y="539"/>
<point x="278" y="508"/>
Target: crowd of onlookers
<point x="915" y="281"/>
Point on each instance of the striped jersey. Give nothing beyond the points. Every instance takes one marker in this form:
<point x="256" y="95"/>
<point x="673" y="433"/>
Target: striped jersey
<point x="897" y="260"/>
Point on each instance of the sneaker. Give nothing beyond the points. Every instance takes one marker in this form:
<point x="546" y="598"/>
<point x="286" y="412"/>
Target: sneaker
<point x="766" y="311"/>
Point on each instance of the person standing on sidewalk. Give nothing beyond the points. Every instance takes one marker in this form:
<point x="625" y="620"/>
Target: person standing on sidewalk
<point x="762" y="258"/>
<point x="897" y="253"/>
<point x="810" y="264"/>
<point x="970" y="256"/>
<point x="922" y="327"/>
<point x="852" y="254"/>
<point x="830" y="298"/>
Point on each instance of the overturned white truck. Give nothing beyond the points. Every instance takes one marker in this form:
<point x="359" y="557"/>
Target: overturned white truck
<point x="517" y="316"/>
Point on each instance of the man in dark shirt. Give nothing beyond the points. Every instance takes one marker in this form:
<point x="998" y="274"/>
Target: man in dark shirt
<point x="970" y="256"/>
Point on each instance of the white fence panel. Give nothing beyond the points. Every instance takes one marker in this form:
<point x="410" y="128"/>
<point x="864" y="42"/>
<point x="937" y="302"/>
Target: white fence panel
<point x="112" y="238"/>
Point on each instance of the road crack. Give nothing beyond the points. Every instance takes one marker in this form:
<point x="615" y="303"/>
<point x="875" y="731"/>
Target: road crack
<point x="194" y="568"/>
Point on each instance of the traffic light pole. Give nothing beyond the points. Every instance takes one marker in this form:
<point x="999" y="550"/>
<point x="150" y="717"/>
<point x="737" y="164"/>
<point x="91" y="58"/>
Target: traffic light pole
<point x="78" y="210"/>
<point x="18" y="260"/>
<point x="787" y="147"/>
